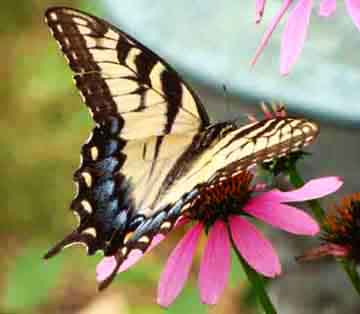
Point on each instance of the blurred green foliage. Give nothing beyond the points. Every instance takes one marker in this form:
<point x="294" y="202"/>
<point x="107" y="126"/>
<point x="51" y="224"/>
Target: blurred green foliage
<point x="27" y="270"/>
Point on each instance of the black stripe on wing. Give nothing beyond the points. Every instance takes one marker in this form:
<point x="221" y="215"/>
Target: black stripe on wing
<point x="116" y="74"/>
<point x="263" y="142"/>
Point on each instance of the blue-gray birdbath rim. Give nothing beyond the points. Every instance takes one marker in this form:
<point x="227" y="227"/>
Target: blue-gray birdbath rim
<point x="214" y="41"/>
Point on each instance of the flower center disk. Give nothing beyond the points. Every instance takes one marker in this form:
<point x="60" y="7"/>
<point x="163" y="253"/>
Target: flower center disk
<point x="342" y="226"/>
<point x="225" y="197"/>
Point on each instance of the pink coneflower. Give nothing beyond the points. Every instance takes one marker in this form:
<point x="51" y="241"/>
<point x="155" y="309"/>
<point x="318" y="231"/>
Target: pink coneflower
<point x="341" y="232"/>
<point x="295" y="31"/>
<point x="224" y="217"/>
<point x="259" y="10"/>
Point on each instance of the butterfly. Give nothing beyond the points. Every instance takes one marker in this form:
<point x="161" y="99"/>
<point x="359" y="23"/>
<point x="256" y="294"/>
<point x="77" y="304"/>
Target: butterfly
<point x="153" y="150"/>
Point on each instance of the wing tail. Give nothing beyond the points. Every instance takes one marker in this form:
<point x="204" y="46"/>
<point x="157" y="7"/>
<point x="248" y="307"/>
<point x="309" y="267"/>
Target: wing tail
<point x="71" y="239"/>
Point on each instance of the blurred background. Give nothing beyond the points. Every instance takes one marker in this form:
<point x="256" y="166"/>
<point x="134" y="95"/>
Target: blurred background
<point x="43" y="124"/>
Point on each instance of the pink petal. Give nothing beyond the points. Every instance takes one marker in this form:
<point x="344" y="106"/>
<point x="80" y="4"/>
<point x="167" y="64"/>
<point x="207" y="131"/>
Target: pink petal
<point x="284" y="217"/>
<point x="259" y="10"/>
<point x="107" y="264"/>
<point x="327" y="7"/>
<point x="313" y="189"/>
<point x="260" y="187"/>
<point x="353" y="8"/>
<point x="266" y="37"/>
<point x="254" y="247"/>
<point x="105" y="268"/>
<point x="294" y="35"/>
<point x="326" y="249"/>
<point x="268" y="113"/>
<point x="177" y="267"/>
<point x="215" y="264"/>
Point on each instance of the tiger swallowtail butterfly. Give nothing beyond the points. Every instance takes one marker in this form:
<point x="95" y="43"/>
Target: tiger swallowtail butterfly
<point x="153" y="149"/>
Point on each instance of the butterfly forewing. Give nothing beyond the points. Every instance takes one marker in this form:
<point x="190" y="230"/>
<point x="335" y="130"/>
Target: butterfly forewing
<point x="117" y="75"/>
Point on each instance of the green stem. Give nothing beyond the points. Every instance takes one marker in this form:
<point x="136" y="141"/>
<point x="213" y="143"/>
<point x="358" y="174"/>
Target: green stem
<point x="257" y="282"/>
<point x="349" y="267"/>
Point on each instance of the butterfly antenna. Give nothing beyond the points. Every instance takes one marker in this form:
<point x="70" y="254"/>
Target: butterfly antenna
<point x="228" y="105"/>
<point x="226" y="96"/>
